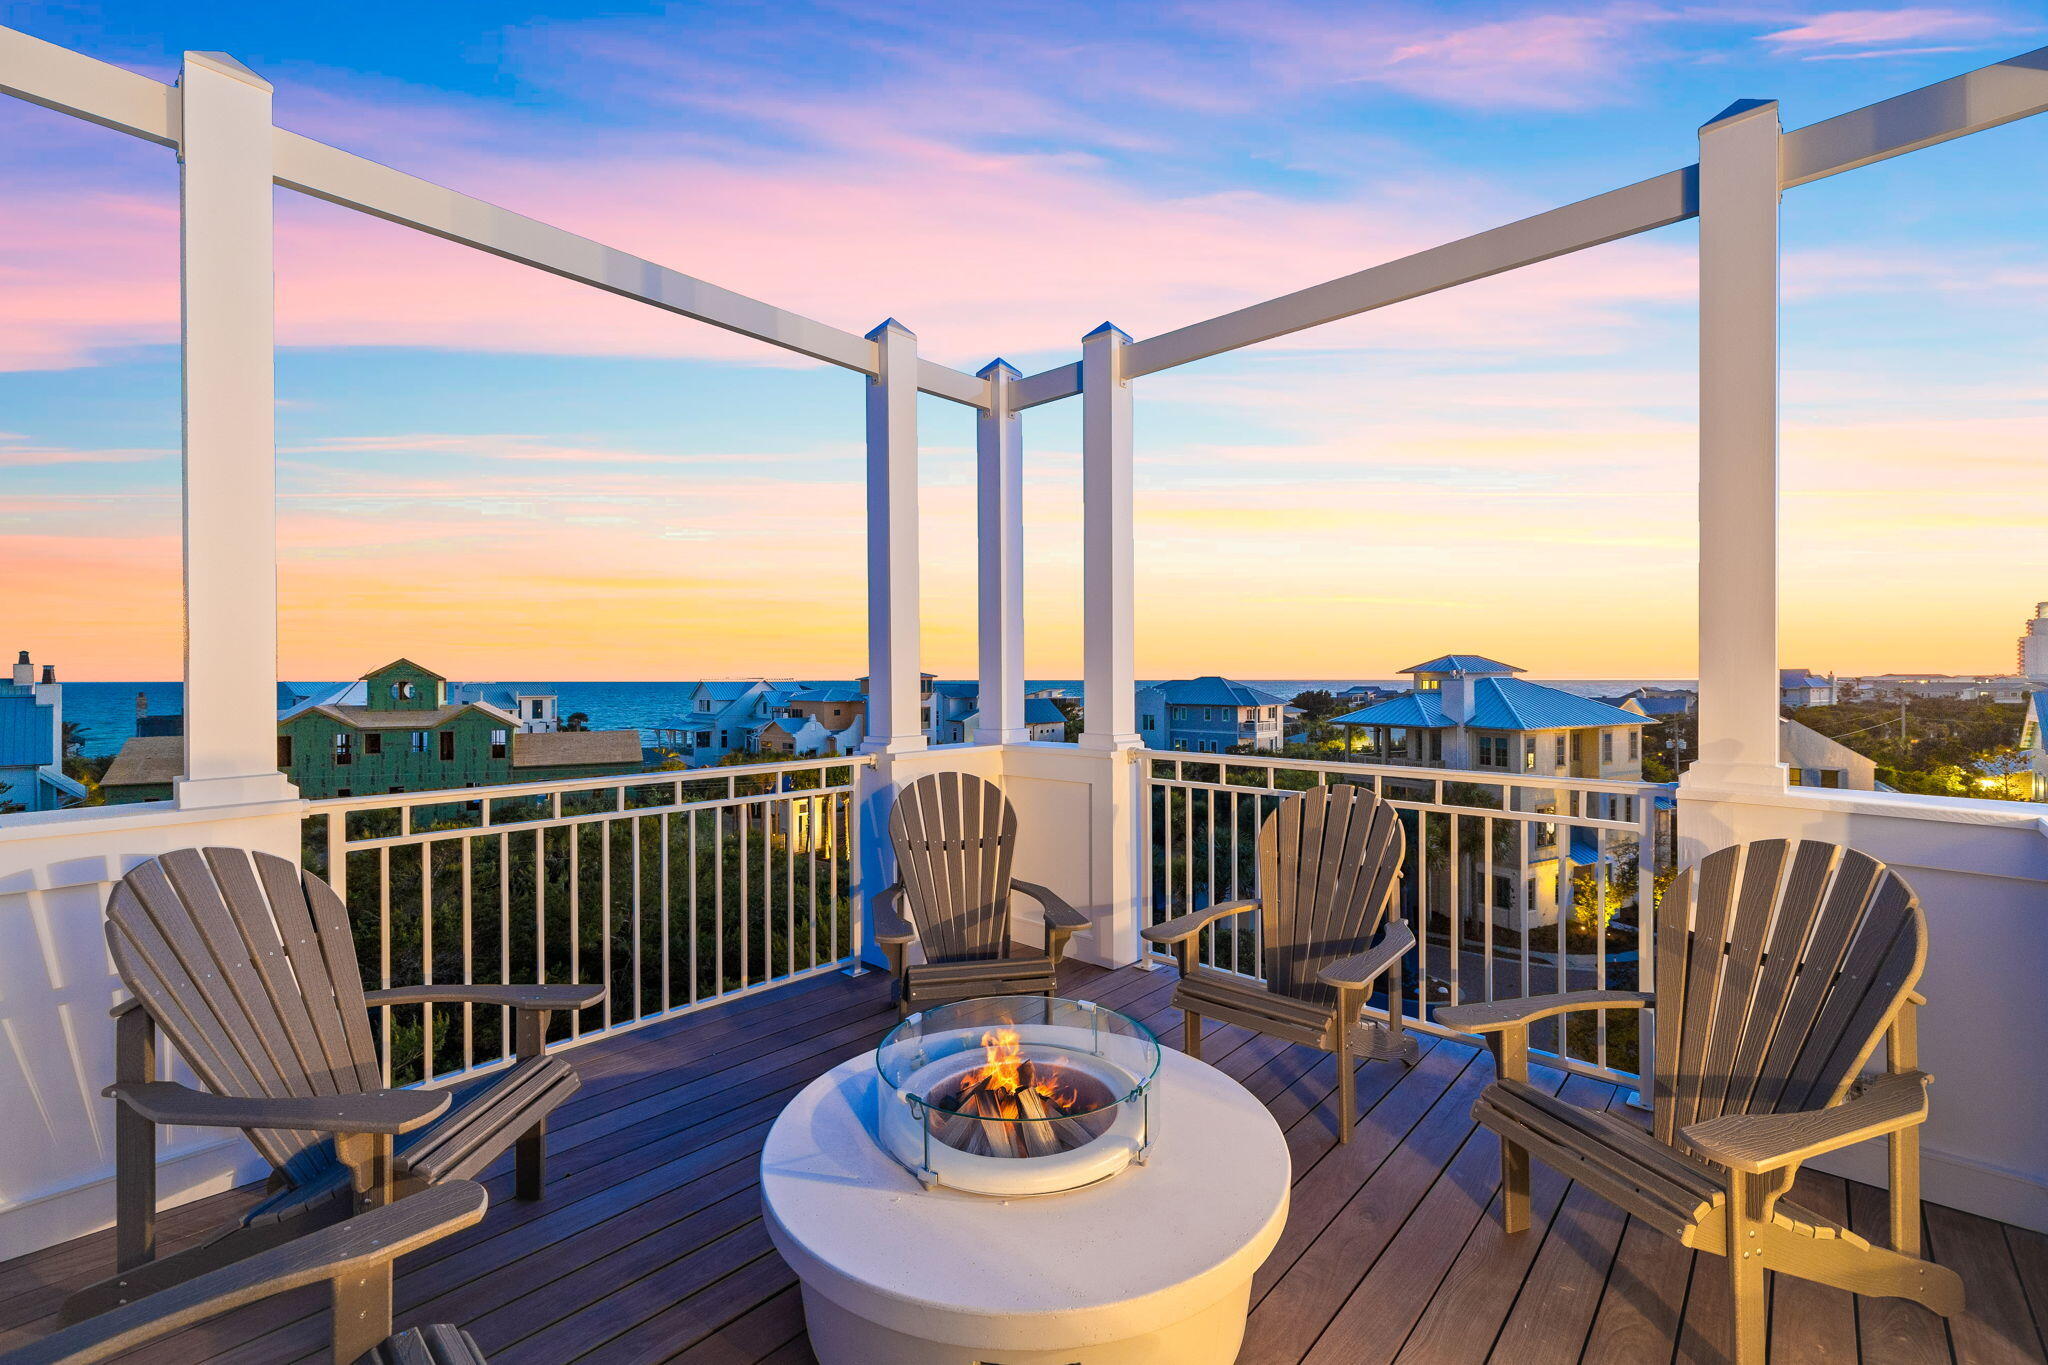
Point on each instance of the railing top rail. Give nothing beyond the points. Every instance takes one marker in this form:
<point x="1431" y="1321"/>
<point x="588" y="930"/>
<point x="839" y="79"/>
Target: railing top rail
<point x="570" y="785"/>
<point x="1469" y="776"/>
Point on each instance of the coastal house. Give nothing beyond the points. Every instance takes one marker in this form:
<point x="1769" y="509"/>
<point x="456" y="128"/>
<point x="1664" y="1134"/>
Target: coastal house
<point x="32" y="742"/>
<point x="725" y="716"/>
<point x="2034" y="742"/>
<point x="1209" y="715"/>
<point x="1811" y="759"/>
<point x="1797" y="687"/>
<point x="399" y="728"/>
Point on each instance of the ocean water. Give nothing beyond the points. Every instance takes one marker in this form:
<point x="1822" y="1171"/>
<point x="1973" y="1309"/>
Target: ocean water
<point x="107" y="710"/>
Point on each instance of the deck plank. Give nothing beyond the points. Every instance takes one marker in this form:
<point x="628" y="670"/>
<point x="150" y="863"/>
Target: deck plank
<point x="649" y="1245"/>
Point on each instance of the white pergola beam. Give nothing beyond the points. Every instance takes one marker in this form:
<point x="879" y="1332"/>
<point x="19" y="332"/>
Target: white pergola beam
<point x="1108" y="545"/>
<point x="72" y="83"/>
<point x="1985" y="98"/>
<point x="893" y="722"/>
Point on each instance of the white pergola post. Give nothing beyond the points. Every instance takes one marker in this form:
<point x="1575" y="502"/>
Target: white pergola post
<point x="999" y="522"/>
<point x="1108" y="558"/>
<point x="892" y="721"/>
<point x="230" y="511"/>
<point x="1739" y="188"/>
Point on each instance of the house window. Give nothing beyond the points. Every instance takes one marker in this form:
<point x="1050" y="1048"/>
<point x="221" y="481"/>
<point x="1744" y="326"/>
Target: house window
<point x="1148" y="722"/>
<point x="1635" y="744"/>
<point x="1429" y="685"/>
<point x="343" y="791"/>
<point x="1796" y="776"/>
<point x="1493" y="751"/>
<point x="1529" y="755"/>
<point x="721" y="738"/>
<point x="419" y="741"/>
<point x="1560" y="750"/>
<point x="401" y="691"/>
<point x="1831" y="777"/>
<point x="498" y="742"/>
<point x="540" y="708"/>
<point x="703" y="703"/>
<point x="703" y="739"/>
<point x="373" y="744"/>
<point x="447" y="746"/>
<point x="344" y="749"/>
<point x="284" y="751"/>
<point x="1607" y="746"/>
<point x="1433" y="745"/>
<point x="1180" y="744"/>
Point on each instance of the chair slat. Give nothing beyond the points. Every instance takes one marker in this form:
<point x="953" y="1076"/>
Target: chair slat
<point x="1880" y="966"/>
<point x="346" y="1047"/>
<point x="1799" y="905"/>
<point x="1856" y="876"/>
<point x="1713" y="894"/>
<point x="344" y="972"/>
<point x="1674" y="941"/>
<point x="262" y="934"/>
<point x="1763" y="871"/>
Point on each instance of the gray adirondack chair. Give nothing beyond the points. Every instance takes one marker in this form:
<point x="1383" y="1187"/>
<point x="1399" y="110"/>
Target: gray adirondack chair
<point x="1780" y="967"/>
<point x="353" y="1259"/>
<point x="955" y="836"/>
<point x="249" y="969"/>
<point x="1329" y="869"/>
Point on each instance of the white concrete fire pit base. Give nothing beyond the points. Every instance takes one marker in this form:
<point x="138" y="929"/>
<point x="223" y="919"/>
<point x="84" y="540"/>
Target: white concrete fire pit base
<point x="1151" y="1267"/>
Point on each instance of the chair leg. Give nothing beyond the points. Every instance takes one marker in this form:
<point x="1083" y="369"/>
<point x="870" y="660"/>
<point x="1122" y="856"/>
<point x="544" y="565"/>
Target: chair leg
<point x="1191" y="1033"/>
<point x="1347" y="1084"/>
<point x="134" y="1146"/>
<point x="530" y="1160"/>
<point x="1514" y="1187"/>
<point x="1751" y="1308"/>
<point x="362" y="1312"/>
<point x="1904" y="1151"/>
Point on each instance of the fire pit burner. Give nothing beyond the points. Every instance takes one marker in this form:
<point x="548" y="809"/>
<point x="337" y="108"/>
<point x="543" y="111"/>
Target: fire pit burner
<point x="1015" y="1095"/>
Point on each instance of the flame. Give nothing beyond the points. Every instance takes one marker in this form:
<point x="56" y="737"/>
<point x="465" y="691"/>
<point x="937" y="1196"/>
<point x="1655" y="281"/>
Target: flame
<point x="1004" y="1072"/>
<point x="1005" y="1065"/>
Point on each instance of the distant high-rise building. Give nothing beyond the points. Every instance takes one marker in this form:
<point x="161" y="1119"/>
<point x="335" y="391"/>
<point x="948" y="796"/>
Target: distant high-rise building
<point x="2034" y="646"/>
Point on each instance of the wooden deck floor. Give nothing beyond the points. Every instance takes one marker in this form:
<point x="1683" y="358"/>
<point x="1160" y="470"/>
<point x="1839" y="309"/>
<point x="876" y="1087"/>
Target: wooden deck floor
<point x="649" y="1246"/>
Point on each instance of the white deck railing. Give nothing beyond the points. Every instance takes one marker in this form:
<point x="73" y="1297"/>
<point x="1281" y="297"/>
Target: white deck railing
<point x="675" y="889"/>
<point x="1515" y="884"/>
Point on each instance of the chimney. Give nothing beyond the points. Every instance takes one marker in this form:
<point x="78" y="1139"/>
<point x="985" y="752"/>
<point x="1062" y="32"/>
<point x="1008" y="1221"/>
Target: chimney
<point x="141" y="705"/>
<point x="49" y="673"/>
<point x="1456" y="691"/>
<point x="24" y="671"/>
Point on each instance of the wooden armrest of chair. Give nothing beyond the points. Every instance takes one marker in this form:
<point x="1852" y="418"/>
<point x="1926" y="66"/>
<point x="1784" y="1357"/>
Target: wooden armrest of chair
<point x="374" y="1111"/>
<point x="890" y="926"/>
<point x="1768" y="1142"/>
<point x="519" y="997"/>
<point x="1058" y="914"/>
<point x="1183" y="926"/>
<point x="357" y="1249"/>
<point x="1359" y="969"/>
<point x="1506" y="1014"/>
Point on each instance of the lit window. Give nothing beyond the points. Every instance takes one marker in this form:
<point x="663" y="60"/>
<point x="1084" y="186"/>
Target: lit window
<point x="419" y="740"/>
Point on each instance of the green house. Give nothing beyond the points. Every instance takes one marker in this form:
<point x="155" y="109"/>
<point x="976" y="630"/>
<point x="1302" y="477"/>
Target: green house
<point x="403" y="736"/>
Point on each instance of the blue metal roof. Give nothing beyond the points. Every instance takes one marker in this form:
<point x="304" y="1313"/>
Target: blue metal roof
<point x="1497" y="704"/>
<point x="26" y="740"/>
<point x="1213" y="691"/>
<point x="1517" y="704"/>
<point x="845" y="691"/>
<point x="957" y="689"/>
<point x="1585" y="847"/>
<point x="1463" y="663"/>
<point x="1409" y="711"/>
<point x="1041" y="711"/>
<point x="1799" y="677"/>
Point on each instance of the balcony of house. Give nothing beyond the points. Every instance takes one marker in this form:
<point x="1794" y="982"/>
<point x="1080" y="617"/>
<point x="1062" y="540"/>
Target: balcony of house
<point x="732" y="934"/>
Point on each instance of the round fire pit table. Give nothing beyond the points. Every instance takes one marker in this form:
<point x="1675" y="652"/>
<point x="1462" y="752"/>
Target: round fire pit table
<point x="1151" y="1266"/>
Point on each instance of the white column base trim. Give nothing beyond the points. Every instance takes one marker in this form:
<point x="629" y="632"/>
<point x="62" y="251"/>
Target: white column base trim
<point x="903" y="744"/>
<point x="1019" y="735"/>
<point x="1110" y="743"/>
<point x="208" y="793"/>
<point x="1718" y="778"/>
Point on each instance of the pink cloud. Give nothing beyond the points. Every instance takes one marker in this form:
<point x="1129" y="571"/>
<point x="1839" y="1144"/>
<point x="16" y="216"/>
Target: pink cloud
<point x="1884" y="29"/>
<point x="1530" y="61"/>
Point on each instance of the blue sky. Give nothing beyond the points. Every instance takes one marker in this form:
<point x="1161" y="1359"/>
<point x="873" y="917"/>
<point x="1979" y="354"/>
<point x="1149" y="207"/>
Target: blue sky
<point x="514" y="476"/>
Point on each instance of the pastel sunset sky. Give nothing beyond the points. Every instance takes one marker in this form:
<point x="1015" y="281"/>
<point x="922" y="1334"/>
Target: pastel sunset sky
<point x="504" y="474"/>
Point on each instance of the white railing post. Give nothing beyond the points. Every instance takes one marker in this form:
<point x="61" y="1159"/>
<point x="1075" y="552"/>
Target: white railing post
<point x="1738" y="555"/>
<point x="894" y="686"/>
<point x="893" y="692"/>
<point x="1107" y="560"/>
<point x="1109" y="699"/>
<point x="999" y="520"/>
<point x="230" y="513"/>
